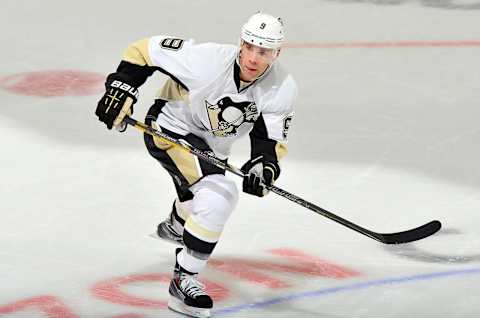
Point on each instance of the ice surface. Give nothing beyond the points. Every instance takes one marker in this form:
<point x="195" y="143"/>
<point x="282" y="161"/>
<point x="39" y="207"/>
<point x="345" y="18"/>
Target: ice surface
<point x="385" y="136"/>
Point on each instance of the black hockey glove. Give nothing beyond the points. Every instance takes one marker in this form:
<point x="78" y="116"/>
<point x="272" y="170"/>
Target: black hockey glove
<point x="259" y="173"/>
<point x="117" y="102"/>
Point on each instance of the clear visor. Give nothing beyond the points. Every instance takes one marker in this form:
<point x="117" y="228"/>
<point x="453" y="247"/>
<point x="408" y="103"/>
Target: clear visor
<point x="261" y="53"/>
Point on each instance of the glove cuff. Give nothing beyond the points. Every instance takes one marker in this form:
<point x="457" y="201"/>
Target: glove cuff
<point x="247" y="166"/>
<point x="273" y="167"/>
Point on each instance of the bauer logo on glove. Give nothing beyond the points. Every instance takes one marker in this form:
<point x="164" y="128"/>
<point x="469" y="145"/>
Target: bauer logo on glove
<point x="123" y="86"/>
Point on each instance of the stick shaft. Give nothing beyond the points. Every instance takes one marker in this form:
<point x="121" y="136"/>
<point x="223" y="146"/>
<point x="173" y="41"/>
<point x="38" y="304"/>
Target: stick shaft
<point x="391" y="238"/>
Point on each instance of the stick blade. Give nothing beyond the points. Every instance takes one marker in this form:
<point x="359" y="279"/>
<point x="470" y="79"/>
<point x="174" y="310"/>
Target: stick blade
<point x="411" y="235"/>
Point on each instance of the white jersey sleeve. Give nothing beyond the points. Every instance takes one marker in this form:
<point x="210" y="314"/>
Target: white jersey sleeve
<point x="186" y="62"/>
<point x="278" y="111"/>
<point x="270" y="133"/>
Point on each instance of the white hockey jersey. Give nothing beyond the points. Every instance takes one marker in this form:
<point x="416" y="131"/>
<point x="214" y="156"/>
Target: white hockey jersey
<point x="206" y="97"/>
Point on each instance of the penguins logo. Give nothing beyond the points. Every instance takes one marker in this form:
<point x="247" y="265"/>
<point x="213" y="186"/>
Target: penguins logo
<point x="226" y="116"/>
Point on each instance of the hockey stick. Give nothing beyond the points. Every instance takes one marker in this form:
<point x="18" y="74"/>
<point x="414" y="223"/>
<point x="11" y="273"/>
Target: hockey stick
<point x="386" y="238"/>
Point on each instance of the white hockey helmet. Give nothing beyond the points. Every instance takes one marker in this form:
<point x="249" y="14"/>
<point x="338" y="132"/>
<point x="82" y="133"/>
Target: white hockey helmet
<point x="263" y="30"/>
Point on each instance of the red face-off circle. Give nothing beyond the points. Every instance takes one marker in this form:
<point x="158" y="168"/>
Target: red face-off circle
<point x="54" y="83"/>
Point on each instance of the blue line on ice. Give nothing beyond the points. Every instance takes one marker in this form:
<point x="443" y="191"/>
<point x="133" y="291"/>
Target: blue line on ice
<point x="356" y="286"/>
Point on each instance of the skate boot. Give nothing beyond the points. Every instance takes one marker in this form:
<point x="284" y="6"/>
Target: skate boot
<point x="171" y="230"/>
<point x="187" y="294"/>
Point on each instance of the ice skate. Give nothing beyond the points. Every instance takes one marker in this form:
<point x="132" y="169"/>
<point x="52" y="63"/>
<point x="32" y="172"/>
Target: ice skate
<point x="167" y="232"/>
<point x="187" y="294"/>
<point x="170" y="230"/>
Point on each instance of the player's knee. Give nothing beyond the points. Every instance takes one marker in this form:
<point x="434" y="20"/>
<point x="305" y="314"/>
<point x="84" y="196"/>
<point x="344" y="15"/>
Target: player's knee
<point x="215" y="199"/>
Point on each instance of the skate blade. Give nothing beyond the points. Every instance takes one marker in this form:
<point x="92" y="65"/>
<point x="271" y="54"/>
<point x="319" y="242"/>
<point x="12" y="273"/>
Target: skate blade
<point x="155" y="236"/>
<point x="164" y="239"/>
<point x="178" y="306"/>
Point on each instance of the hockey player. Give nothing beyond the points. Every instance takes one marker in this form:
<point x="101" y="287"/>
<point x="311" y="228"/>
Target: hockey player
<point x="215" y="94"/>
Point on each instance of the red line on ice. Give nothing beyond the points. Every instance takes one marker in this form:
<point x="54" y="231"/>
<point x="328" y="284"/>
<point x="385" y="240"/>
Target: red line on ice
<point x="385" y="44"/>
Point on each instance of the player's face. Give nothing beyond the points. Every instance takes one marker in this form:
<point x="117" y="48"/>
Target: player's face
<point x="254" y="60"/>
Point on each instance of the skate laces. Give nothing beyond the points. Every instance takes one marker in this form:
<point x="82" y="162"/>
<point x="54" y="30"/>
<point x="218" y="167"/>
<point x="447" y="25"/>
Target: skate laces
<point x="191" y="286"/>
